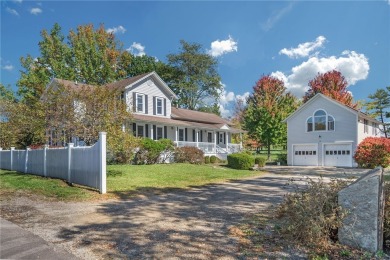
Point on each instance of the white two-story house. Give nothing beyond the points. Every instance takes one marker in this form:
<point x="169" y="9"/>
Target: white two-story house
<point x="325" y="132"/>
<point x="150" y="100"/>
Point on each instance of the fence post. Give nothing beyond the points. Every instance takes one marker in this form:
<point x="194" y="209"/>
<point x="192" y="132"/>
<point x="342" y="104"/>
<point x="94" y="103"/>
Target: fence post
<point x="0" y="158"/>
<point x="44" y="160"/>
<point x="102" y="162"/>
<point x="11" y="158"/>
<point x="70" y="146"/>
<point x="26" y="161"/>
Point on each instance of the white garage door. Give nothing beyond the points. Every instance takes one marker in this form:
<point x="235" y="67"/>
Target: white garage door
<point x="305" y="155"/>
<point x="338" y="155"/>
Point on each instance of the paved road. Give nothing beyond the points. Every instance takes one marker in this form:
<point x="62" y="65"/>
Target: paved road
<point x="17" y="243"/>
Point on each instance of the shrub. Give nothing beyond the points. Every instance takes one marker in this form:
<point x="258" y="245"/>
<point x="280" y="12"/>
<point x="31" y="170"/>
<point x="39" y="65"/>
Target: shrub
<point x="282" y="158"/>
<point x="260" y="161"/>
<point x="213" y="159"/>
<point x="121" y="147"/>
<point x="386" y="222"/>
<point x="312" y="216"/>
<point x="207" y="159"/>
<point x="373" y="152"/>
<point x="240" y="161"/>
<point x="150" y="151"/>
<point x="189" y="154"/>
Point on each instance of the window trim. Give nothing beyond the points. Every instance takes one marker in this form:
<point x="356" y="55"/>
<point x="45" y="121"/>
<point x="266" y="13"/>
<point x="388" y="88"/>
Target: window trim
<point x="162" y="132"/>
<point x="144" y="129"/>
<point x="313" y="125"/>
<point x="143" y="102"/>
<point x="365" y="126"/>
<point x="178" y="134"/>
<point x="162" y="106"/>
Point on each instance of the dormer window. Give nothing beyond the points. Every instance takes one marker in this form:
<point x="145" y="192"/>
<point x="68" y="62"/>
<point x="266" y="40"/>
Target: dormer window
<point x="320" y="121"/>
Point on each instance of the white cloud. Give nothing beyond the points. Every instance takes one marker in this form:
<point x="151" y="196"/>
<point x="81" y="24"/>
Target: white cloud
<point x="304" y="49"/>
<point x="7" y="67"/>
<point x="275" y="17"/>
<point x="353" y="66"/>
<point x="119" y="29"/>
<point x="12" y="11"/>
<point x="219" y="48"/>
<point x="137" y="49"/>
<point x="227" y="101"/>
<point x="35" y="11"/>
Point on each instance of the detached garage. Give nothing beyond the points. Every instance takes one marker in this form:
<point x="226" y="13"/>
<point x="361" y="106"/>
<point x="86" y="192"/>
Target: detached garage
<point x="325" y="132"/>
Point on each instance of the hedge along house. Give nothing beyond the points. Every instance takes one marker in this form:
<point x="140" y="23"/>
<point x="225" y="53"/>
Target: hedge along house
<point x="150" y="100"/>
<point x="325" y="132"/>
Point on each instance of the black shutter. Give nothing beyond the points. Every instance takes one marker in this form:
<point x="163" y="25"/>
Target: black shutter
<point x="224" y="138"/>
<point x="134" y="129"/>
<point x="217" y="137"/>
<point x="154" y="132"/>
<point x="193" y="135"/>
<point x="154" y="106"/>
<point x="165" y="131"/>
<point x="165" y="107"/>
<point x="146" y="104"/>
<point x="134" y="102"/>
<point x="185" y="135"/>
<point x="146" y="130"/>
<point x="201" y="135"/>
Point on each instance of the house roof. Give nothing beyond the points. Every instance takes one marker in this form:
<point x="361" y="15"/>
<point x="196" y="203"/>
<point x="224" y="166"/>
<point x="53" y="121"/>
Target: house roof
<point x="129" y="82"/>
<point x="197" y="116"/>
<point x="184" y="123"/>
<point x="71" y="84"/>
<point x="319" y="95"/>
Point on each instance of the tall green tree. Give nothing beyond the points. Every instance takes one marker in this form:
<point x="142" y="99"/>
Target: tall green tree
<point x="6" y="93"/>
<point x="331" y="84"/>
<point x="197" y="82"/>
<point x="89" y="56"/>
<point x="267" y="107"/>
<point x="379" y="107"/>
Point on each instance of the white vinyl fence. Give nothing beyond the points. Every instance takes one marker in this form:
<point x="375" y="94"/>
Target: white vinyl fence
<point x="81" y="165"/>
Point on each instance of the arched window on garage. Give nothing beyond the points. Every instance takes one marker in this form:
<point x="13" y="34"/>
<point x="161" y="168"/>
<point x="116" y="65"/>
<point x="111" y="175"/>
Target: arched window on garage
<point x="330" y="123"/>
<point x="309" y="124"/>
<point x="320" y="121"/>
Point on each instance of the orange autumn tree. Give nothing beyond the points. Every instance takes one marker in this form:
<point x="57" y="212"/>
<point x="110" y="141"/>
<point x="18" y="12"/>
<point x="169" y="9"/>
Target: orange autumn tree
<point x="331" y="84"/>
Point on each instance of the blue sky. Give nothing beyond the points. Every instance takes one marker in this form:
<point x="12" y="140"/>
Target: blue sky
<point x="292" y="40"/>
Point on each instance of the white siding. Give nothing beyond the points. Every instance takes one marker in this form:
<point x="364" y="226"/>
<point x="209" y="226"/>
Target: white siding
<point x="369" y="133"/>
<point x="151" y="89"/>
<point x="345" y="127"/>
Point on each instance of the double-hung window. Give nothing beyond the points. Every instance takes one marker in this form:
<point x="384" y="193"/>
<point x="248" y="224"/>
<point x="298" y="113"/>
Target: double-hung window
<point x="159" y="106"/>
<point x="159" y="132"/>
<point x="140" y="104"/>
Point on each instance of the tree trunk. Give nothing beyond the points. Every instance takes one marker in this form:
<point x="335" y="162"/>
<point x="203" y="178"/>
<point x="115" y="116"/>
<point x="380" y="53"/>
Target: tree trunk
<point x="269" y="150"/>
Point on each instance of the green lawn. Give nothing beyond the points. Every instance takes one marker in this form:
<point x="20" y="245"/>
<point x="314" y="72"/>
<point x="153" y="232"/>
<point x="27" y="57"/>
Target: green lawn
<point x="125" y="180"/>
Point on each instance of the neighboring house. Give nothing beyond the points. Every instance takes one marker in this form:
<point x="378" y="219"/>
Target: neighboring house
<point x="150" y="100"/>
<point x="325" y="132"/>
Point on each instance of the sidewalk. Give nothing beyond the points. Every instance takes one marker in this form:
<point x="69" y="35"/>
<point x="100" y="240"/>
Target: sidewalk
<point x="16" y="243"/>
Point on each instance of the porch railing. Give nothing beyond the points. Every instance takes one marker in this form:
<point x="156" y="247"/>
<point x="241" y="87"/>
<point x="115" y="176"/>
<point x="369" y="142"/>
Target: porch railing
<point x="212" y="148"/>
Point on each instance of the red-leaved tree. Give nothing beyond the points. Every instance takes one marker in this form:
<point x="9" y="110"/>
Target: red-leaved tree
<point x="331" y="84"/>
<point x="373" y="152"/>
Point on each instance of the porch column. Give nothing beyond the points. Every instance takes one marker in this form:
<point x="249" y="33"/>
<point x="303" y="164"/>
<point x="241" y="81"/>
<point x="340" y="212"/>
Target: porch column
<point x="151" y="131"/>
<point x="197" y="137"/>
<point x="227" y="142"/>
<point x="215" y="142"/>
<point x="240" y="141"/>
<point x="175" y="134"/>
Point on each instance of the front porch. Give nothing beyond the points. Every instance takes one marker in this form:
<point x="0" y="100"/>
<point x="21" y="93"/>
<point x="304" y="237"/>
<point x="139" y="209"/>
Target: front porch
<point x="212" y="148"/>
